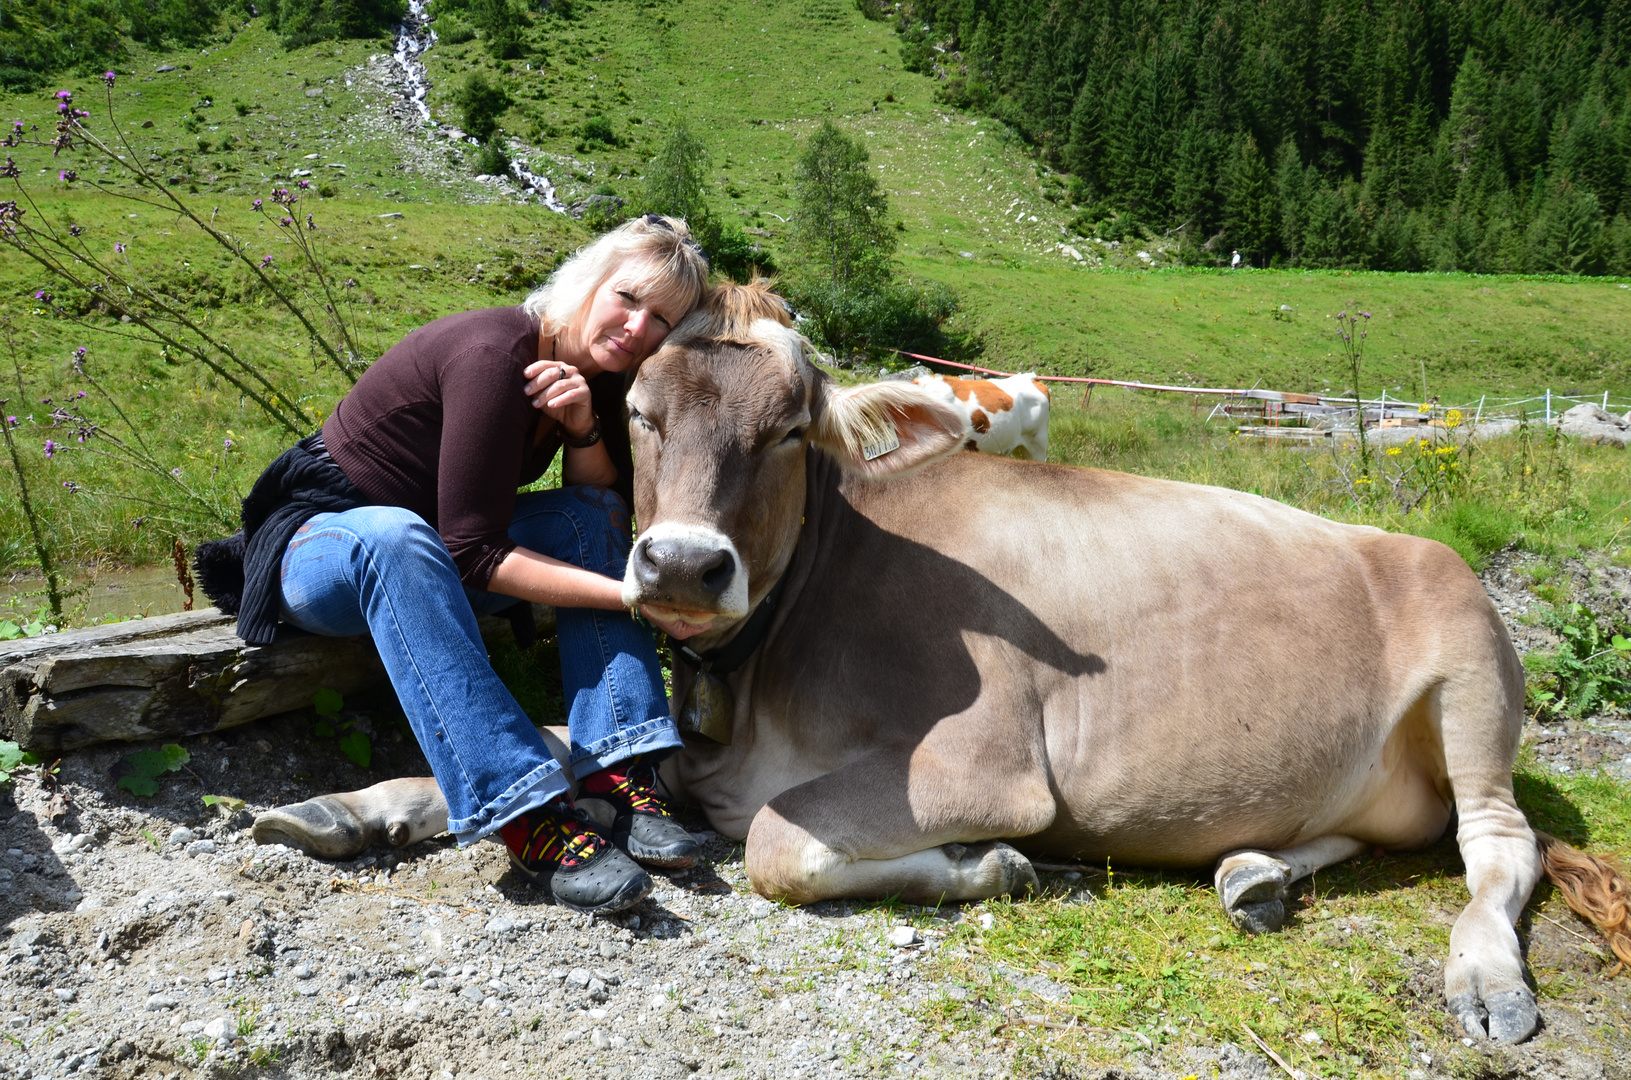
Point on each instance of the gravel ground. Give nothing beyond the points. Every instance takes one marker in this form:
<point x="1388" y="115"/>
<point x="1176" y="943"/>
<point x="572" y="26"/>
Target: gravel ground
<point x="152" y="938"/>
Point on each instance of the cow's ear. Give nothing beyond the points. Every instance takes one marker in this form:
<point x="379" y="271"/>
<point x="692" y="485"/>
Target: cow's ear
<point x="887" y="428"/>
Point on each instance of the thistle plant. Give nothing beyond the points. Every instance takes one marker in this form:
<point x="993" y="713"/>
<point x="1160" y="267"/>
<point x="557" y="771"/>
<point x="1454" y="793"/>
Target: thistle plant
<point x="115" y="285"/>
<point x="71" y="429"/>
<point x="42" y="552"/>
<point x="1353" y="329"/>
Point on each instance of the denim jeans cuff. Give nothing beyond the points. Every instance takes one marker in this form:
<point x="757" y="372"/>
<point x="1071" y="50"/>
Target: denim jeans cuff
<point x="658" y="734"/>
<point x="543" y="784"/>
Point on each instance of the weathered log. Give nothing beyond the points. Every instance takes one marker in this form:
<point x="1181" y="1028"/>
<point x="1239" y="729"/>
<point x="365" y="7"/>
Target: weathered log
<point x="174" y="675"/>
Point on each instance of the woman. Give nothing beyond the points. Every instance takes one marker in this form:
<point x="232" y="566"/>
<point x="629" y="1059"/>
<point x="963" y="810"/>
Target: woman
<point x="424" y="531"/>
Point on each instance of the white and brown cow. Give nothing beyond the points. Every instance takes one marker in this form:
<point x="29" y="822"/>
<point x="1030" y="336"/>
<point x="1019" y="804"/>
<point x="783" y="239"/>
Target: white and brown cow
<point x="974" y="661"/>
<point x="1005" y="416"/>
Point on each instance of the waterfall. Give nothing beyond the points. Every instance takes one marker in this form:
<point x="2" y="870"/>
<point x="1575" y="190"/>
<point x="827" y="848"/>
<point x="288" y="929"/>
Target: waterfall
<point x="413" y="39"/>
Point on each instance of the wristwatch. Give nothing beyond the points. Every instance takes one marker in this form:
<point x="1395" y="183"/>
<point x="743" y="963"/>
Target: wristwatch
<point x="583" y="441"/>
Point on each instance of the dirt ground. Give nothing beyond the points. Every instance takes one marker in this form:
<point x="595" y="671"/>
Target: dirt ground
<point x="153" y="939"/>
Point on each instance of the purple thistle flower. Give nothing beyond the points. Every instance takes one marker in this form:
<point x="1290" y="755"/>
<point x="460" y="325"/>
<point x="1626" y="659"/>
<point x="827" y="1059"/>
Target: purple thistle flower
<point x="310" y="222"/>
<point x="13" y="421"/>
<point x="64" y="95"/>
<point x="266" y="260"/>
<point x="226" y="444"/>
<point x="80" y="394"/>
<point x="73" y="488"/>
<point x="67" y="175"/>
<point x="50" y="449"/>
<point x="175" y="472"/>
<point x="285" y="222"/>
<point x="304" y="184"/>
<point x="43" y="297"/>
<point x="108" y="77"/>
<point x="119" y="247"/>
<point x="257" y="204"/>
<point x="17" y="126"/>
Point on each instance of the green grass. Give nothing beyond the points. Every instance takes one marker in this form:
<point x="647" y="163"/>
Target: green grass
<point x="1149" y="958"/>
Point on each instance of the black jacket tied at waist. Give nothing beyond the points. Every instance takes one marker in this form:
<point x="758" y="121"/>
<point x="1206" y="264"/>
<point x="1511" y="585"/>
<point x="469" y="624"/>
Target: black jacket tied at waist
<point x="243" y="574"/>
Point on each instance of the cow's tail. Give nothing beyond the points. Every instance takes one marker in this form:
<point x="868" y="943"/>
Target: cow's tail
<point x="1595" y="888"/>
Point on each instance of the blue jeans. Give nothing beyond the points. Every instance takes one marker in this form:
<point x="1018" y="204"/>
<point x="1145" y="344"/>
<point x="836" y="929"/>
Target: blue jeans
<point x="382" y="570"/>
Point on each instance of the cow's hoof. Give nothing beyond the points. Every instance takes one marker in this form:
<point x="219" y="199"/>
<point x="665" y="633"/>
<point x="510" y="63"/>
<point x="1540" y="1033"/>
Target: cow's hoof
<point x="1018" y="875"/>
<point x="1470" y="1011"/>
<point x="1260" y="918"/>
<point x="321" y="827"/>
<point x="1254" y="895"/>
<point x="1511" y="1017"/>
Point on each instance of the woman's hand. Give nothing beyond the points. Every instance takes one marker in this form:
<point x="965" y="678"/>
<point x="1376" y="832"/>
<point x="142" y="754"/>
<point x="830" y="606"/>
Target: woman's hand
<point x="561" y="391"/>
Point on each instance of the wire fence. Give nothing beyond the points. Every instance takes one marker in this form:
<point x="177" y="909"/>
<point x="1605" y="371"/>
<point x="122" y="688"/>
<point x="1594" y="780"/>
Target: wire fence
<point x="1254" y="406"/>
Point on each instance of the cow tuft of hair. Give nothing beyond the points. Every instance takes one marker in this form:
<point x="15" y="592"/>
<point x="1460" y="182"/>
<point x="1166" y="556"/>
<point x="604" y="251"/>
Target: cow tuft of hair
<point x="887" y="428"/>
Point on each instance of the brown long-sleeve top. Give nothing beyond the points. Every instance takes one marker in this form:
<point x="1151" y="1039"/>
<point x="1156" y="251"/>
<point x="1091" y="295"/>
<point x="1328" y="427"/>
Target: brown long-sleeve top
<point x="439" y="425"/>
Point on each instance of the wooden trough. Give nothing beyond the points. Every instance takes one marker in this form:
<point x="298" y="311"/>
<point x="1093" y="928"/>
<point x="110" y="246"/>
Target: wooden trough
<point x="175" y="675"/>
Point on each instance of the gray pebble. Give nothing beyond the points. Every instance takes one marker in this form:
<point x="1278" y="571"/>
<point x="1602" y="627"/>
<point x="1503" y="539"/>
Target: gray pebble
<point x="66" y="994"/>
<point x="201" y="847"/>
<point x="302" y="971"/>
<point x="182" y="835"/>
<point x="159" y="1002"/>
<point x="577" y="977"/>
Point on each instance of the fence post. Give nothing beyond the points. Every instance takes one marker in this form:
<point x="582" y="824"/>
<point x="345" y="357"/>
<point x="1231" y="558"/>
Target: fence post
<point x="1480" y="414"/>
<point x="1548" y="407"/>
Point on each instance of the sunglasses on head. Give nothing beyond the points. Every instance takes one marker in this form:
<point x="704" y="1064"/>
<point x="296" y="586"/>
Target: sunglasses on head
<point x="661" y="222"/>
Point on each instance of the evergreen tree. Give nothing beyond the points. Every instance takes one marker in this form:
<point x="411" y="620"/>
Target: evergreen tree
<point x="480" y="104"/>
<point x="1250" y="214"/>
<point x="840" y="215"/>
<point x="1438" y="111"/>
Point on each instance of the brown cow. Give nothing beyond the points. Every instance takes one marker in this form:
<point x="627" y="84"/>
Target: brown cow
<point x="968" y="652"/>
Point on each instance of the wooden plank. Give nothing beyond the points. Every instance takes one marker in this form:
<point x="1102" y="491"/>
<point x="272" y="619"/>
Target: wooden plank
<point x="175" y="675"/>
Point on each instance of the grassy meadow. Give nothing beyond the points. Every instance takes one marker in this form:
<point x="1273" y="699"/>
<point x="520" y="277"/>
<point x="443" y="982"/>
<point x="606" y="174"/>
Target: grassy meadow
<point x="1149" y="958"/>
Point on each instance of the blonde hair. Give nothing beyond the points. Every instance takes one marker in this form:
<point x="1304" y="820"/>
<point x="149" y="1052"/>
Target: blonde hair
<point x="664" y="263"/>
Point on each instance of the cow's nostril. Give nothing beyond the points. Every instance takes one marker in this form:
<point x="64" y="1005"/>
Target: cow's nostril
<point x="646" y="570"/>
<point x="717" y="574"/>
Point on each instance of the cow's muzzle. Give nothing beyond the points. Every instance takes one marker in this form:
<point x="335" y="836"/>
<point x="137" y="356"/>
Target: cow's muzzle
<point x="688" y="567"/>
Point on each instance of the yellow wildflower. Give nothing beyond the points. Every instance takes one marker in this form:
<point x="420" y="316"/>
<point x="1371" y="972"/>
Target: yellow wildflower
<point x="1453" y="418"/>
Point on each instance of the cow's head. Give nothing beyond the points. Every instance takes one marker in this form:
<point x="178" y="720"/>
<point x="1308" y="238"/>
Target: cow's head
<point x="721" y="419"/>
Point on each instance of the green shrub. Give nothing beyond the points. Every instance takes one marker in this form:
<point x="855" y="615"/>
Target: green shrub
<point x="868" y="319"/>
<point x="303" y="22"/>
<point x="1591" y="666"/>
<point x="452" y="30"/>
<point x="491" y="160"/>
<point x="595" y="133"/>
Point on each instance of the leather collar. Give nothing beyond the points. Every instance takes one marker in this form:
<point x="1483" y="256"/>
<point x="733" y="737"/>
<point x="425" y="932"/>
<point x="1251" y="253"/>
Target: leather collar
<point x="735" y="652"/>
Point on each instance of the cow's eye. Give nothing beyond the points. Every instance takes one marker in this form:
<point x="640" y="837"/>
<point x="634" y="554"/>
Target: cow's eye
<point x="794" y="436"/>
<point x="636" y="417"/>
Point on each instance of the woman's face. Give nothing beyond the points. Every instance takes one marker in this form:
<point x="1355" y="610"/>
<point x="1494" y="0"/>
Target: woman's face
<point x="624" y="324"/>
